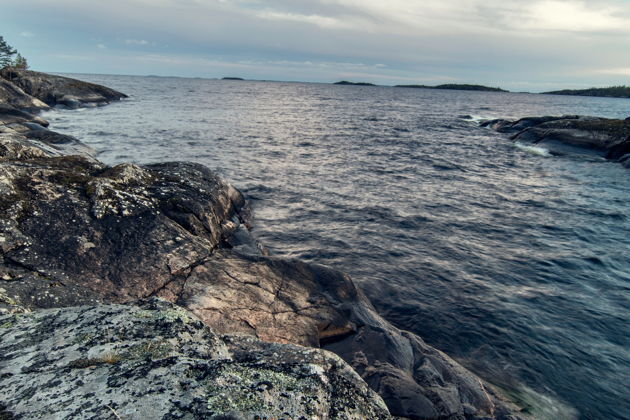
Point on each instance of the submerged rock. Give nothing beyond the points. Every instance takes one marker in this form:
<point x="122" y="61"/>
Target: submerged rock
<point x="509" y="126"/>
<point x="156" y="361"/>
<point x="570" y="134"/>
<point x="59" y="90"/>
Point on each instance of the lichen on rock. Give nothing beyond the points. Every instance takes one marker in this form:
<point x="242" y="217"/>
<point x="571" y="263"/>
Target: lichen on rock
<point x="156" y="361"/>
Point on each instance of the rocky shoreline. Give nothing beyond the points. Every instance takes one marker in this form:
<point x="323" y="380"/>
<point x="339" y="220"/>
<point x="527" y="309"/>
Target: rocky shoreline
<point x="136" y="291"/>
<point x="571" y="134"/>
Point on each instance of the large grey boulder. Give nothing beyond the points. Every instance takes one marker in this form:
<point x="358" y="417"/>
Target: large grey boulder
<point x="157" y="361"/>
<point x="59" y="90"/>
<point x="74" y="231"/>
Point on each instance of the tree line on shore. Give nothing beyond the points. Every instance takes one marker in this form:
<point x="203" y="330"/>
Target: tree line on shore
<point x="6" y="56"/>
<point x="610" y="92"/>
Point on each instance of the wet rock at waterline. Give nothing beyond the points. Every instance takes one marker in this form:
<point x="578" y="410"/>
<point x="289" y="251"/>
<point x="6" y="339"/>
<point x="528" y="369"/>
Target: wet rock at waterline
<point x="570" y="134"/>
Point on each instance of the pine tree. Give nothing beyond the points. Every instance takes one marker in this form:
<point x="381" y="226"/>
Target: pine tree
<point x="20" y="62"/>
<point x="6" y="53"/>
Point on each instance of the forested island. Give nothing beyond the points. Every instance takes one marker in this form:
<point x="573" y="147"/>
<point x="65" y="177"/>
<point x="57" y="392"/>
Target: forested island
<point x="457" y="86"/>
<point x="345" y="82"/>
<point x="451" y="86"/>
<point x="607" y="92"/>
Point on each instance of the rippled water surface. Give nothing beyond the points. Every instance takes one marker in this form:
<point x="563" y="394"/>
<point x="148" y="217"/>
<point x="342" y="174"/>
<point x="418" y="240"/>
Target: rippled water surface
<point x="513" y="262"/>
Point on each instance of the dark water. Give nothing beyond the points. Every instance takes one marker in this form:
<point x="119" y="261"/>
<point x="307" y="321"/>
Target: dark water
<point x="515" y="263"/>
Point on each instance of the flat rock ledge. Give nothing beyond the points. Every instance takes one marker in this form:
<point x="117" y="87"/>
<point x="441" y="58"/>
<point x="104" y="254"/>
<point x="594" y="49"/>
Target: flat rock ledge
<point x="571" y="134"/>
<point x="74" y="231"/>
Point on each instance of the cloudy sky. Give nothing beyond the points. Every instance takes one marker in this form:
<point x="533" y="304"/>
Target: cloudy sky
<point x="532" y="45"/>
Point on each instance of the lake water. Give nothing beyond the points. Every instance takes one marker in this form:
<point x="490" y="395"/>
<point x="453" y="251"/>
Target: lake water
<point x="513" y="262"/>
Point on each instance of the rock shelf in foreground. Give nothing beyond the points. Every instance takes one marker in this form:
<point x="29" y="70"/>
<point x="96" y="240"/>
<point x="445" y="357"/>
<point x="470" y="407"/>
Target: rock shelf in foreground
<point x="154" y="360"/>
<point x="76" y="232"/>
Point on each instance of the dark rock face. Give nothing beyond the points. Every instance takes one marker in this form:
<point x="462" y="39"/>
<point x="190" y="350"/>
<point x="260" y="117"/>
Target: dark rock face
<point x="508" y="126"/>
<point x="114" y="234"/>
<point x="58" y="90"/>
<point x="570" y="134"/>
<point x="156" y="361"/>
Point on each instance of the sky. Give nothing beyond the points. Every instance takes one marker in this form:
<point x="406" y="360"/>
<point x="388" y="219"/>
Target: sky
<point x="533" y="45"/>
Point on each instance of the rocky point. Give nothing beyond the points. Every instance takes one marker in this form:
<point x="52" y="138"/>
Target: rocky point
<point x="571" y="134"/>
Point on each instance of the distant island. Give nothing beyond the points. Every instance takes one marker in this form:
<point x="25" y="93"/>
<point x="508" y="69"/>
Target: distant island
<point x="345" y="82"/>
<point x="607" y="92"/>
<point x="454" y="86"/>
<point x="232" y="78"/>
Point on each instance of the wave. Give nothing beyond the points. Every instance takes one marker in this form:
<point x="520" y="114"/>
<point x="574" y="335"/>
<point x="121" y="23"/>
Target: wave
<point x="542" y="406"/>
<point x="540" y="151"/>
<point x="475" y="118"/>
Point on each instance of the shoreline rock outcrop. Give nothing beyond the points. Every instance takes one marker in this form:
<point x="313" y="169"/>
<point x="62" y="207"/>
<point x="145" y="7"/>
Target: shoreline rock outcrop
<point x="58" y="90"/>
<point x="571" y="134"/>
<point x="76" y="232"/>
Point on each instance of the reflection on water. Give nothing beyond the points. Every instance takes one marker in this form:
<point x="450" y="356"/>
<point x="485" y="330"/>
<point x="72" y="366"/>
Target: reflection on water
<point x="513" y="262"/>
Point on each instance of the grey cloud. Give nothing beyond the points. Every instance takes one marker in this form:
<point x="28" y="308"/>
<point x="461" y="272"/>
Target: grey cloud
<point x="469" y="40"/>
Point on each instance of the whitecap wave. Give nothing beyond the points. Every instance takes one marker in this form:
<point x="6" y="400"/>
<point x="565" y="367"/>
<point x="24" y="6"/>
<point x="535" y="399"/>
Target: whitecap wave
<point x="536" y="150"/>
<point x="476" y="118"/>
<point x="541" y="406"/>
